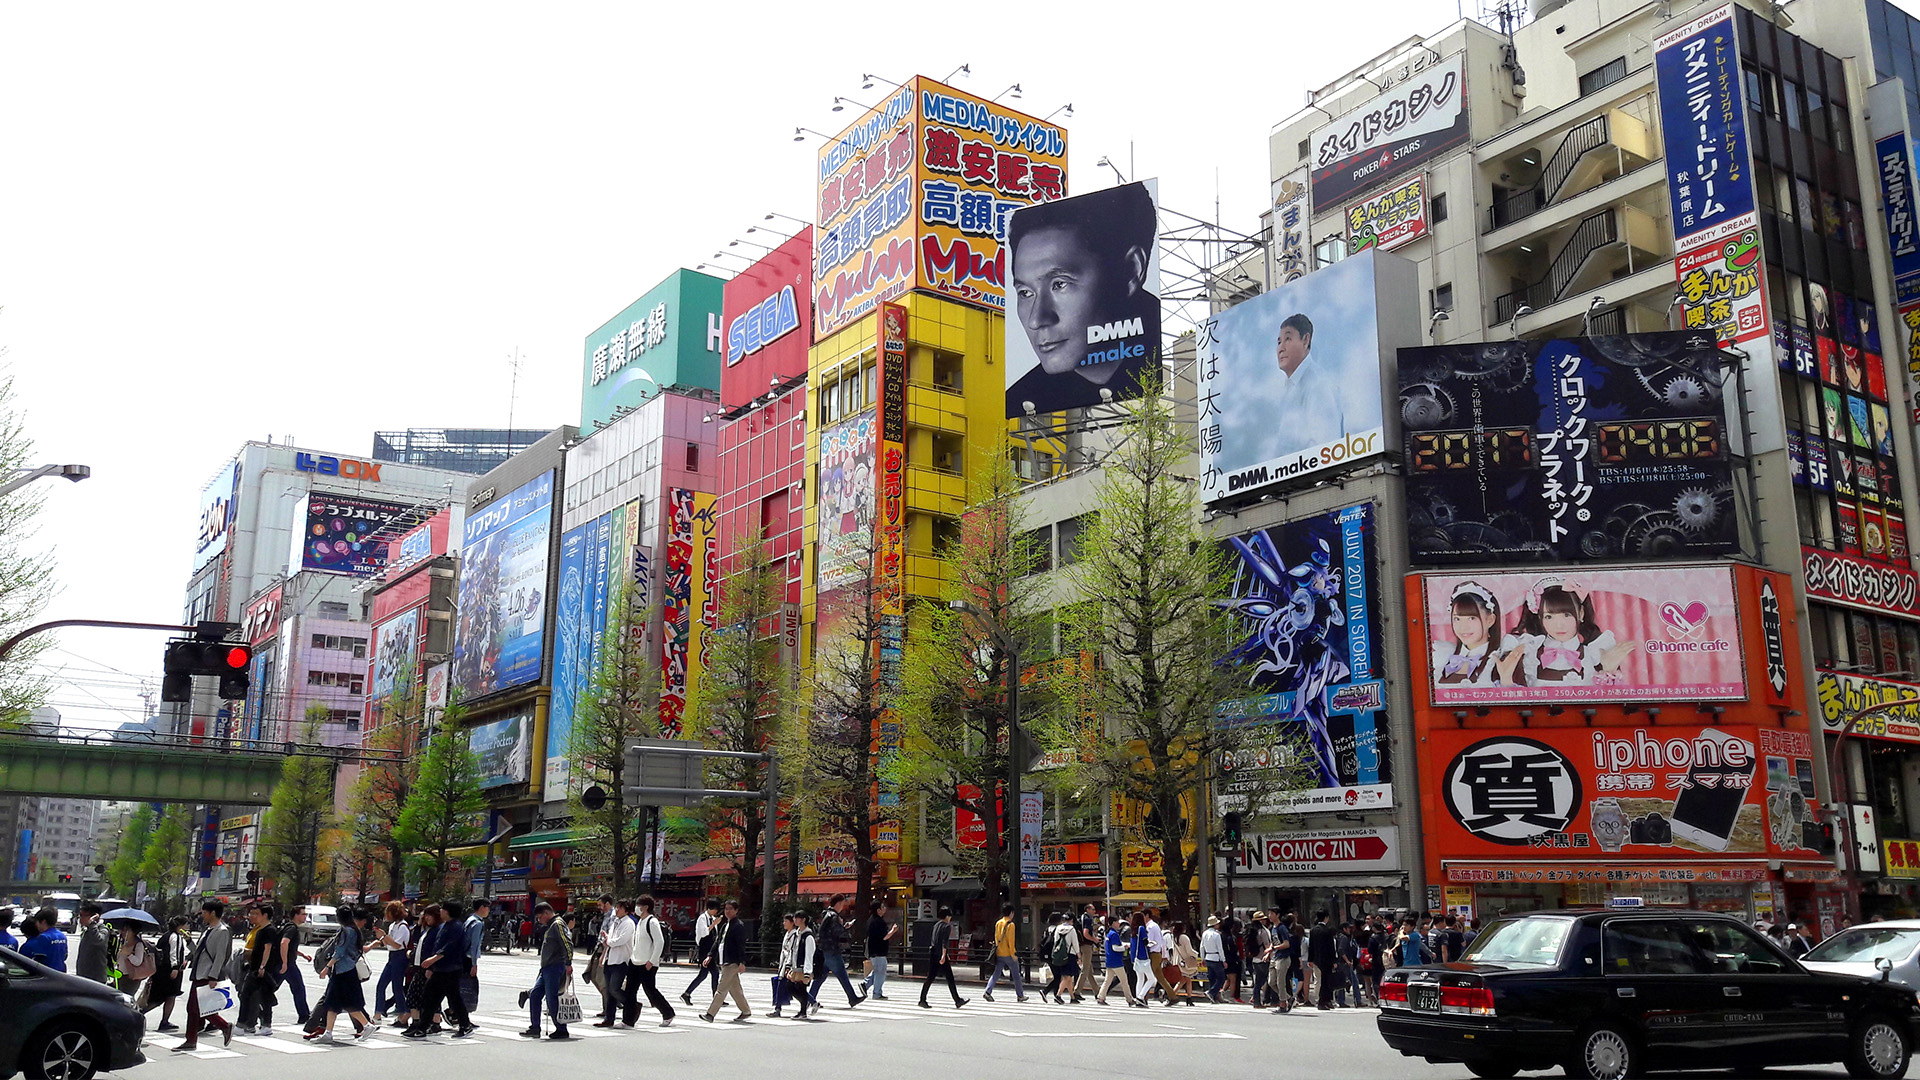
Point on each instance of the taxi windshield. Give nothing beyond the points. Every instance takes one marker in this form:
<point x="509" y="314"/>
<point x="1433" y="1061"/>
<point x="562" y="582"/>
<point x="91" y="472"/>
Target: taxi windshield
<point x="1519" y="941"/>
<point x="1865" y="944"/>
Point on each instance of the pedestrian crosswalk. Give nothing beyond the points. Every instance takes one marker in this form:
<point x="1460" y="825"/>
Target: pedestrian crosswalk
<point x="1004" y="1016"/>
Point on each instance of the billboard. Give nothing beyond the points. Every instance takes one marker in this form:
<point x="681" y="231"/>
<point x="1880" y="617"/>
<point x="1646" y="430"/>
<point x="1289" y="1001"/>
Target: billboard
<point x="916" y="195"/>
<point x="504" y="749"/>
<point x="1303" y="592"/>
<point x="503" y="591"/>
<point x="671" y="336"/>
<point x="396" y="657"/>
<point x="599" y="562"/>
<point x="1567" y="450"/>
<point x="685" y="590"/>
<point x="846" y="504"/>
<point x="1086" y="298"/>
<point x="1337" y="851"/>
<point x="1292" y="210"/>
<point x="218" y="505"/>
<point x="767" y="310"/>
<point x="338" y="532"/>
<point x="1290" y="381"/>
<point x="1656" y="634"/>
<point x="1619" y="791"/>
<point x="1855" y="582"/>
<point x="1389" y="219"/>
<point x="1414" y="122"/>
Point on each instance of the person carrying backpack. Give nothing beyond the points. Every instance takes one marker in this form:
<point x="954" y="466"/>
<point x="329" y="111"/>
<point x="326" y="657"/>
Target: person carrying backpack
<point x="1063" y="957"/>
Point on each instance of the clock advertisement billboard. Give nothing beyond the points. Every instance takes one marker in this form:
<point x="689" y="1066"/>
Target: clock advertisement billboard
<point x="1567" y="450"/>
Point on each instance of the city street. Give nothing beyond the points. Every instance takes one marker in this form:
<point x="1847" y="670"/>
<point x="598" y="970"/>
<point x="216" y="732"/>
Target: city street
<point x="1002" y="1038"/>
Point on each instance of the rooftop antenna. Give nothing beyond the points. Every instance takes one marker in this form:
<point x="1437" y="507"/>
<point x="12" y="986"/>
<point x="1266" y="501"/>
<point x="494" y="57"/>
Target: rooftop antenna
<point x="513" y="385"/>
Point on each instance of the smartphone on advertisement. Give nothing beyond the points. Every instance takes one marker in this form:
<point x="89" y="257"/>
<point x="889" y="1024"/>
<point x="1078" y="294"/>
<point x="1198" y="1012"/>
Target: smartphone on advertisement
<point x="1705" y="814"/>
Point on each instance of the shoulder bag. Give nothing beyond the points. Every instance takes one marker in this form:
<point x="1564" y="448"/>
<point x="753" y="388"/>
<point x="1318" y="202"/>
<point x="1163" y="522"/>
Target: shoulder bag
<point x="568" y="1011"/>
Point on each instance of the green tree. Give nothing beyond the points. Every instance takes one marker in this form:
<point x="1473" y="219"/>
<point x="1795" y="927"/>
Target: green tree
<point x="123" y="870"/>
<point x="300" y="811"/>
<point x="380" y="792"/>
<point x="167" y="859"/>
<point x="443" y="808"/>
<point x="953" y="700"/>
<point x="621" y="704"/>
<point x="26" y="575"/>
<point x="741" y="704"/>
<point x="1149" y="583"/>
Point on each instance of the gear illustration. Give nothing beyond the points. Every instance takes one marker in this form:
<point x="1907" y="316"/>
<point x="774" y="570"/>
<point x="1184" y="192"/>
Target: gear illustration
<point x="1506" y="366"/>
<point x="1595" y="544"/>
<point x="1620" y="520"/>
<point x="1697" y="510"/>
<point x="1425" y="405"/>
<point x="1659" y="533"/>
<point x="1427" y="366"/>
<point x="1690" y="393"/>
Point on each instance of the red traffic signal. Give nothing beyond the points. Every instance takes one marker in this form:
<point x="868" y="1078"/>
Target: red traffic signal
<point x="238" y="657"/>
<point x="219" y="862"/>
<point x="186" y="659"/>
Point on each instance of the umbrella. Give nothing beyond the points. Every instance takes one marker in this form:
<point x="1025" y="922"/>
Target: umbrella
<point x="128" y="914"/>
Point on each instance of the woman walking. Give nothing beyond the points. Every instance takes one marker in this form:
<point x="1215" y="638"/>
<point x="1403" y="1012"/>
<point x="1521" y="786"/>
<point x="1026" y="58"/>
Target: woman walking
<point x="170" y="959"/>
<point x="394" y="938"/>
<point x="344" y="994"/>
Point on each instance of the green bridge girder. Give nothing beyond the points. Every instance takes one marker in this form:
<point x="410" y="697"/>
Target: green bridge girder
<point x="137" y="772"/>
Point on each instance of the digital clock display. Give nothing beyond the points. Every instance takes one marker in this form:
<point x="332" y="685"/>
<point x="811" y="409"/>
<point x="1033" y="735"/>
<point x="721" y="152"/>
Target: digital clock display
<point x="1647" y="442"/>
<point x="1443" y="451"/>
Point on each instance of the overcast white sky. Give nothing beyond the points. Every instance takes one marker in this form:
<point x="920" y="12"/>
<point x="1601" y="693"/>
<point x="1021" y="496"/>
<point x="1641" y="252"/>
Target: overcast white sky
<point x="223" y="222"/>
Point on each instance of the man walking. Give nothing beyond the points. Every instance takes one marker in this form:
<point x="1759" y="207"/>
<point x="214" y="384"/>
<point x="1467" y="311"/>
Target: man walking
<point x="1280" y="974"/>
<point x="880" y="934"/>
<point x="556" y="970"/>
<point x="476" y="926"/>
<point x="940" y="959"/>
<point x="90" y="962"/>
<point x="703" y="950"/>
<point x="207" y="965"/>
<point x="1259" y="956"/>
<point x="1320" y="958"/>
<point x="729" y="958"/>
<point x="833" y="950"/>
<point x="262" y="972"/>
<point x="1157" y="960"/>
<point x="1213" y="953"/>
<point x="446" y="967"/>
<point x="1117" y="947"/>
<point x="290" y="957"/>
<point x="1006" y="954"/>
<point x="648" y="953"/>
<point x="1091" y="938"/>
<point x="45" y="941"/>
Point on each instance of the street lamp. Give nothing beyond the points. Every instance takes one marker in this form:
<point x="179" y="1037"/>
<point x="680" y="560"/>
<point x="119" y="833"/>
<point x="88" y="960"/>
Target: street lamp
<point x="1014" y="764"/>
<point x="23" y="477"/>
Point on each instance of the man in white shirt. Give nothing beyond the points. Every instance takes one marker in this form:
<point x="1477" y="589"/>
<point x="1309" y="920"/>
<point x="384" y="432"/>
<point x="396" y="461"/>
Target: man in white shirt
<point x="1157" y="956"/>
<point x="1309" y="410"/>
<point x="1213" y="952"/>
<point x="649" y="950"/>
<point x="703" y="949"/>
<point x="616" y="960"/>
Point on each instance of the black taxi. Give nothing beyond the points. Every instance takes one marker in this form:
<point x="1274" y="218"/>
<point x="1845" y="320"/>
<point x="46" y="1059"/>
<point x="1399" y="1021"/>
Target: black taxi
<point x="1612" y="993"/>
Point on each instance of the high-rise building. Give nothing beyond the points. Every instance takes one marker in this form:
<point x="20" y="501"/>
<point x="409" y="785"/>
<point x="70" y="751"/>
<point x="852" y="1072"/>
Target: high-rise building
<point x="475" y="451"/>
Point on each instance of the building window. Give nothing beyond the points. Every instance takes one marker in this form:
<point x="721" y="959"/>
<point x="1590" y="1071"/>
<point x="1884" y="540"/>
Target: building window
<point x="1437" y="209"/>
<point x="1442" y="299"/>
<point x="1040" y="543"/>
<point x="1329" y="251"/>
<point x="1306" y="145"/>
<point x="1070" y="532"/>
<point x="693" y="457"/>
<point x="1605" y="75"/>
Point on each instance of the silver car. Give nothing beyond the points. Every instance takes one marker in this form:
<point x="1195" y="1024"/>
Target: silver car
<point x="1871" y="949"/>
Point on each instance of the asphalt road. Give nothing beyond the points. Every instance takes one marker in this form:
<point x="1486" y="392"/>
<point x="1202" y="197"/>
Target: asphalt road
<point x="999" y="1039"/>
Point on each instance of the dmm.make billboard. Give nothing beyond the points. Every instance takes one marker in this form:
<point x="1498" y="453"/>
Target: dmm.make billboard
<point x="1659" y="634"/>
<point x="916" y="195"/>
<point x="1616" y="791"/>
<point x="1291" y="380"/>
<point x="767" y="310"/>
<point x="1303" y="592"/>
<point x="1409" y="125"/>
<point x="1567" y="450"/>
<point x="503" y="591"/>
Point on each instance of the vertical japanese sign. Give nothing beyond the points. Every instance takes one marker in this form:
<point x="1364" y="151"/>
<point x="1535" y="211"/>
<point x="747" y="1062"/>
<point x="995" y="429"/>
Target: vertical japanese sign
<point x="677" y="602"/>
<point x="1292" y="210"/>
<point x="1894" y="161"/>
<point x="1717" y="253"/>
<point x="704" y="600"/>
<point x="891" y="545"/>
<point x="1032" y="810"/>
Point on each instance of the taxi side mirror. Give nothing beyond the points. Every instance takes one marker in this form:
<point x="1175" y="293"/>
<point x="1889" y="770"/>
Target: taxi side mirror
<point x="1885" y="967"/>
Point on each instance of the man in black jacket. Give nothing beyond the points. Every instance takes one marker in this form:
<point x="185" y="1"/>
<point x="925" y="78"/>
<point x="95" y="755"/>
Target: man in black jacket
<point x="833" y="950"/>
<point x="940" y="956"/>
<point x="445" y="968"/>
<point x="730" y="958"/>
<point x="1320" y="954"/>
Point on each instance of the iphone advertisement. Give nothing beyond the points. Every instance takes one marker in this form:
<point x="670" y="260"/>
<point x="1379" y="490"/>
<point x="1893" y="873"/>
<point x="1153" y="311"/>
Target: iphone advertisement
<point x="1679" y="791"/>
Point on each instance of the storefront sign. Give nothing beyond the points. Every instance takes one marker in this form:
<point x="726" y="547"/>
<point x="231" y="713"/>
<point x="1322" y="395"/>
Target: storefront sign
<point x="1323" y="851"/>
<point x="345" y="468"/>
<point x="930" y="876"/>
<point x="1903" y="228"/>
<point x="1140" y="867"/>
<point x="1845" y="579"/>
<point x="1619" y="791"/>
<point x="1896" y="704"/>
<point x="1562" y="874"/>
<point x="1389" y="219"/>
<point x="1415" y="121"/>
<point x="1900" y="858"/>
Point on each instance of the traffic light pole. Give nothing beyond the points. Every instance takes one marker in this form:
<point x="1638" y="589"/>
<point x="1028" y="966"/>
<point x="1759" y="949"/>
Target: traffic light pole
<point x="111" y="624"/>
<point x="771" y="793"/>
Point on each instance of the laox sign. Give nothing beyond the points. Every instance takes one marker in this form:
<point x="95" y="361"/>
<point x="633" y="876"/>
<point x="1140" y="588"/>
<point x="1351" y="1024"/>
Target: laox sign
<point x="347" y="468"/>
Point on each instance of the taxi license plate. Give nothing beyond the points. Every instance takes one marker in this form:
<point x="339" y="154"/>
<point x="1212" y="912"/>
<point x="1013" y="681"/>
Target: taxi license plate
<point x="1424" y="998"/>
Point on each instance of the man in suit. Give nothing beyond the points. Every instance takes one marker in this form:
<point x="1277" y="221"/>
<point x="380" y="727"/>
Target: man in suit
<point x="940" y="959"/>
<point x="1320" y="958"/>
<point x="446" y="966"/>
<point x="91" y="961"/>
<point x="730" y="958"/>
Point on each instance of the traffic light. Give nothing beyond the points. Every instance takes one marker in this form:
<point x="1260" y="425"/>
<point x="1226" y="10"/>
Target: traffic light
<point x="1230" y="830"/>
<point x="225" y="659"/>
<point x="66" y="879"/>
<point x="219" y="860"/>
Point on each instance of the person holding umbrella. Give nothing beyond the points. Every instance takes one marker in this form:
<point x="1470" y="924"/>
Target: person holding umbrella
<point x="132" y="959"/>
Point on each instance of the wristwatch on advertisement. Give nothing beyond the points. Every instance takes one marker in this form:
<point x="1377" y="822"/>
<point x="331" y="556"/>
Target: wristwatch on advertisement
<point x="1609" y="824"/>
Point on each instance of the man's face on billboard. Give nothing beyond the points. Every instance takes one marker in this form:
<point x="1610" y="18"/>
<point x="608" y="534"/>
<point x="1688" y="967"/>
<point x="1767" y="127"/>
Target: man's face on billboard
<point x="1292" y="348"/>
<point x="1060" y="289"/>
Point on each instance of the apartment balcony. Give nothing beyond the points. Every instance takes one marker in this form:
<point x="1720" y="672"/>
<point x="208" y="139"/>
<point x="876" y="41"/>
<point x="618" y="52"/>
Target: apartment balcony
<point x="1596" y="151"/>
<point x="1634" y="303"/>
<point x="1610" y="243"/>
<point x="941" y="408"/>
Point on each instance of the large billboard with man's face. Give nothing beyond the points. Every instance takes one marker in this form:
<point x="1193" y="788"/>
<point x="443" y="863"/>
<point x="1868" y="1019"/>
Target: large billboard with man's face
<point x="503" y="591"/>
<point x="916" y="195"/>
<point x="1290" y="381"/>
<point x="1567" y="450"/>
<point x="1086" y="299"/>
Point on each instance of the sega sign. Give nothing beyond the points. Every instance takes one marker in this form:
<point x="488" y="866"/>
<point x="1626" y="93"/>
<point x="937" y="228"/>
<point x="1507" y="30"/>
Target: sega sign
<point x="345" y="468"/>
<point x="762" y="325"/>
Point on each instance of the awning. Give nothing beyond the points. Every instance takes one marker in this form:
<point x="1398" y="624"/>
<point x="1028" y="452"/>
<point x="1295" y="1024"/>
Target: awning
<point x="827" y="886"/>
<point x="1316" y="881"/>
<point x="552" y="838"/>
<point x="1137" y="898"/>
<point x="956" y="887"/>
<point x="467" y="851"/>
<point x="719" y="864"/>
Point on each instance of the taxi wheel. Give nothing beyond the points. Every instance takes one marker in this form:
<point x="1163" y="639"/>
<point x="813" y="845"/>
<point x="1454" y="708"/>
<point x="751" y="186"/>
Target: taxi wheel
<point x="1878" y="1049"/>
<point x="1604" y="1052"/>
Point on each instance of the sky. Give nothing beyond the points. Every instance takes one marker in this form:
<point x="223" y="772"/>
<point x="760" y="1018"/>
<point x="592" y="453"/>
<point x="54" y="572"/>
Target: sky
<point x="223" y="222"/>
